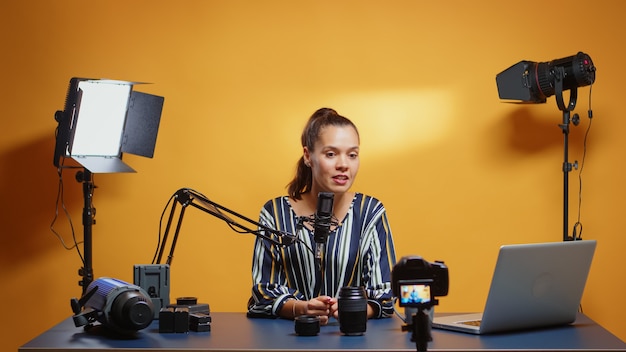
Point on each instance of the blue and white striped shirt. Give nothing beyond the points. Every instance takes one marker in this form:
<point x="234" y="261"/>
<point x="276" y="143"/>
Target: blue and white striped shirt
<point x="359" y="252"/>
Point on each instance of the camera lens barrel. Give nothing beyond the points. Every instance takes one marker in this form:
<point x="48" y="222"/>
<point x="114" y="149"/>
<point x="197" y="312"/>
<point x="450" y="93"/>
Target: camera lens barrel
<point x="307" y="325"/>
<point x="352" y="310"/>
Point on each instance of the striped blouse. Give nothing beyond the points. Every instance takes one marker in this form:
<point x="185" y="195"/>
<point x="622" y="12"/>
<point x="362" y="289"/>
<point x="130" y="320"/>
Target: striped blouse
<point x="359" y="252"/>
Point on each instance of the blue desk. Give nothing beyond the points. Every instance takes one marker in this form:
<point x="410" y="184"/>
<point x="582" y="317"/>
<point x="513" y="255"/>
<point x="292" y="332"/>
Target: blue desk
<point x="234" y="332"/>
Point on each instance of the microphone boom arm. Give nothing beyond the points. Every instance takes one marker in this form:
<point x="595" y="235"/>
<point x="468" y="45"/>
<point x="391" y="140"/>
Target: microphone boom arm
<point x="187" y="197"/>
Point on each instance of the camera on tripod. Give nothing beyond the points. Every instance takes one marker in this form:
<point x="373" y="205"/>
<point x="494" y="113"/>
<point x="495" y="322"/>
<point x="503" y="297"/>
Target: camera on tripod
<point x="416" y="282"/>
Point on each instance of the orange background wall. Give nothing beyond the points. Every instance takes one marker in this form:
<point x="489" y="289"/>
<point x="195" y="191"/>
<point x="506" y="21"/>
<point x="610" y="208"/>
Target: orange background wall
<point x="460" y="172"/>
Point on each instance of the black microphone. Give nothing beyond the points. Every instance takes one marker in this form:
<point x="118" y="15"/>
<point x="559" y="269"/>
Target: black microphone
<point x="322" y="221"/>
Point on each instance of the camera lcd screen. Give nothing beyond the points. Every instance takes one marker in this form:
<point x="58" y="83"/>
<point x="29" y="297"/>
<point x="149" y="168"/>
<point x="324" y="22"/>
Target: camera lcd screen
<point x="412" y="294"/>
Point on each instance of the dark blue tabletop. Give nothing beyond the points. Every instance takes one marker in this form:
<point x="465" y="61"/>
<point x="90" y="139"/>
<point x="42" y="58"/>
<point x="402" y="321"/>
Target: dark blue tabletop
<point x="235" y="332"/>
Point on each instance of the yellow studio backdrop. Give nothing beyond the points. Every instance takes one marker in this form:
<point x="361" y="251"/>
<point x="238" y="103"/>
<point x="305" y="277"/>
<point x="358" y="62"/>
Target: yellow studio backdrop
<point x="459" y="171"/>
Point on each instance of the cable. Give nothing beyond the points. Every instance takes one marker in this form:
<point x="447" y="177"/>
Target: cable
<point x="397" y="313"/>
<point x="60" y="200"/>
<point x="577" y="235"/>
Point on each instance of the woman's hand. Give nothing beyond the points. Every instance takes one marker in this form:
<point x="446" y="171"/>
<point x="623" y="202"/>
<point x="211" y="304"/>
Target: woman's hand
<point x="323" y="307"/>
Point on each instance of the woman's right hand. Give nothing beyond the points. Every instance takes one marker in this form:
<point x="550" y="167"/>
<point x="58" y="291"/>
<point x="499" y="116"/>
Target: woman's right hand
<point x="319" y="306"/>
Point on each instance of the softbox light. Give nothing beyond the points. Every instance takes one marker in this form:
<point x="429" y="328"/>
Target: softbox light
<point x="102" y="120"/>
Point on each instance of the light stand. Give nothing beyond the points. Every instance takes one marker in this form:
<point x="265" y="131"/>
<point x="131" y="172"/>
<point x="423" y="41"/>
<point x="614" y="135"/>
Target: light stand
<point x="533" y="82"/>
<point x="102" y="120"/>
<point x="187" y="197"/>
<point x="86" y="272"/>
<point x="567" y="166"/>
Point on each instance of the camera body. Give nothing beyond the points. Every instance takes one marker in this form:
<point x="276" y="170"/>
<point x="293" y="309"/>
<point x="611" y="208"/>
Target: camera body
<point x="416" y="282"/>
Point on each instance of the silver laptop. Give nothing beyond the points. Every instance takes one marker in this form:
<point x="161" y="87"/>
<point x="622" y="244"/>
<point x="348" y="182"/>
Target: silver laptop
<point x="533" y="285"/>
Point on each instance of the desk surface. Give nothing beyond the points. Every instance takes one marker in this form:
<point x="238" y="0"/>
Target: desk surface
<point x="234" y="332"/>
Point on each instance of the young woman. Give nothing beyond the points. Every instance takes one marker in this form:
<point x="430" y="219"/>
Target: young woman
<point x="359" y="251"/>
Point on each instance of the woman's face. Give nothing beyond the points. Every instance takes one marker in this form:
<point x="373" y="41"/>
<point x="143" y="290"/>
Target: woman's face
<point x="335" y="159"/>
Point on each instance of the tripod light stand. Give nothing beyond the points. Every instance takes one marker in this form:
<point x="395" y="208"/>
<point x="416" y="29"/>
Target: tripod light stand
<point x="533" y="82"/>
<point x="103" y="119"/>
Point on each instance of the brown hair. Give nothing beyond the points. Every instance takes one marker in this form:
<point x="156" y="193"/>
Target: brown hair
<point x="323" y="117"/>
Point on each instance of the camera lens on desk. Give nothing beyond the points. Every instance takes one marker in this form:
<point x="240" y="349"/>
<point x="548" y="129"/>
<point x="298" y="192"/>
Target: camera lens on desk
<point x="352" y="310"/>
<point x="307" y="325"/>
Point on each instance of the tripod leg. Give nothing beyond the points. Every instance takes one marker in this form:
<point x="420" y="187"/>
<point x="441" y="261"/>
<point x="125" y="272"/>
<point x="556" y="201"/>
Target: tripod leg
<point x="421" y="330"/>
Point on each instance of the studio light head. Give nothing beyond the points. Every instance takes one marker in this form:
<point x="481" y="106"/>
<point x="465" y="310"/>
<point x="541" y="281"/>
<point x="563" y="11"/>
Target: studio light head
<point x="102" y="120"/>
<point x="533" y="82"/>
<point x="116" y="304"/>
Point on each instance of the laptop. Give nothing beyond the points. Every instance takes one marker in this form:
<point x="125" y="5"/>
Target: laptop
<point x="533" y="286"/>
